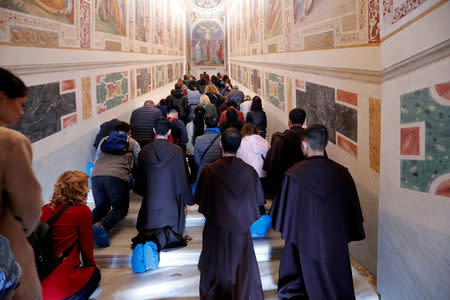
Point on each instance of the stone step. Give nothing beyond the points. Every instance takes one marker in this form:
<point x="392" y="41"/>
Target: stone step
<point x="118" y="254"/>
<point x="181" y="282"/>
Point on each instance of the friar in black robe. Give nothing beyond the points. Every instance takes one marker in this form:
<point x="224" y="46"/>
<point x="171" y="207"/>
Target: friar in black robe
<point x="285" y="151"/>
<point x="318" y="213"/>
<point x="163" y="182"/>
<point x="229" y="193"/>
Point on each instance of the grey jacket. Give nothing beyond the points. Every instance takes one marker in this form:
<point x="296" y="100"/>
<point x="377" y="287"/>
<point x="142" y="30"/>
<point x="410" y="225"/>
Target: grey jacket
<point x="201" y="144"/>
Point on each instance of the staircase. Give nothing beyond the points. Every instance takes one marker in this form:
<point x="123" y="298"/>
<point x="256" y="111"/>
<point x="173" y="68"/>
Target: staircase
<point x="177" y="276"/>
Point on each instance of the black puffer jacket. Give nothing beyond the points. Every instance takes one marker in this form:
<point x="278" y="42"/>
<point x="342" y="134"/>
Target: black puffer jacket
<point x="259" y="119"/>
<point x="180" y="101"/>
<point x="142" y="122"/>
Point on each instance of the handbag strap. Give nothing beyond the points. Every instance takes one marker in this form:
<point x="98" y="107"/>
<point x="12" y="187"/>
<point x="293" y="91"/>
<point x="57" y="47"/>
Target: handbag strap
<point x="56" y="216"/>
<point x="204" y="153"/>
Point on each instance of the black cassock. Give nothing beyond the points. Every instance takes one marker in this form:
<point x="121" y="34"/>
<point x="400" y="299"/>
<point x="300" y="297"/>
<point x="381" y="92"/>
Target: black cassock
<point x="318" y="214"/>
<point x="163" y="182"/>
<point x="229" y="193"/>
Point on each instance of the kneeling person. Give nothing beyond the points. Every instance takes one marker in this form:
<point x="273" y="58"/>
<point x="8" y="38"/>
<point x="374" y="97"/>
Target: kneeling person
<point x="163" y="182"/>
<point x="110" y="181"/>
<point x="229" y="194"/>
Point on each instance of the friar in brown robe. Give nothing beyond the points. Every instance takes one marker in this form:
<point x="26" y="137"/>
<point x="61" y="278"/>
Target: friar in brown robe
<point x="318" y="213"/>
<point x="229" y="193"/>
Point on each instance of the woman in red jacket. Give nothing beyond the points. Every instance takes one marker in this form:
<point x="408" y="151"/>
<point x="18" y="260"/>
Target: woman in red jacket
<point x="73" y="278"/>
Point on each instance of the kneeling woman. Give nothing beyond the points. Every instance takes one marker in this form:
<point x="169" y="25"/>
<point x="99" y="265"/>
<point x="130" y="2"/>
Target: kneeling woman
<point x="73" y="278"/>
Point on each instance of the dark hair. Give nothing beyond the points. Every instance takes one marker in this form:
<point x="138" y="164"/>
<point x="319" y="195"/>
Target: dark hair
<point x="162" y="126"/>
<point x="231" y="103"/>
<point x="231" y="140"/>
<point x="162" y="102"/>
<point x="256" y="104"/>
<point x="297" y="116"/>
<point x="231" y="115"/>
<point x="11" y="85"/>
<point x="225" y="77"/>
<point x="211" y="120"/>
<point x="173" y="91"/>
<point x="317" y="136"/>
<point x="173" y="109"/>
<point x="198" y="122"/>
<point x="249" y="129"/>
<point x="178" y="86"/>
<point x="122" y="126"/>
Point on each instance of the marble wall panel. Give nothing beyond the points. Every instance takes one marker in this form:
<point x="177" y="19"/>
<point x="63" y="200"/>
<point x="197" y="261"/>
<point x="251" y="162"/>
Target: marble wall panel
<point x="111" y="90"/>
<point x="133" y="82"/>
<point x="347" y="97"/>
<point x="86" y="97"/>
<point x="275" y="90"/>
<point x="143" y="81"/>
<point x="374" y="133"/>
<point x="256" y="81"/>
<point x="170" y="73"/>
<point x="45" y="108"/>
<point x="425" y="134"/>
<point x="160" y="76"/>
<point x="320" y="106"/>
<point x="289" y="93"/>
<point x="347" y="145"/>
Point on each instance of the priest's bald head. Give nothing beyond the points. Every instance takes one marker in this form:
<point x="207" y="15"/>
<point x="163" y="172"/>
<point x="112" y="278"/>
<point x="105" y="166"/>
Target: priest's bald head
<point x="314" y="140"/>
<point x="230" y="141"/>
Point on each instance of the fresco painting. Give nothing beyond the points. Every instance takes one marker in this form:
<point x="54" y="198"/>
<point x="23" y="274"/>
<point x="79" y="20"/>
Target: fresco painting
<point x="272" y="18"/>
<point x="158" y="17"/>
<point x="142" y="20"/>
<point x="302" y="8"/>
<point x="57" y="10"/>
<point x="110" y="16"/>
<point x="208" y="44"/>
<point x="47" y="108"/>
<point x="254" y="21"/>
<point x="425" y="140"/>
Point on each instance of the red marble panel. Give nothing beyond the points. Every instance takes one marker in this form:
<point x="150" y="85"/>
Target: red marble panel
<point x="347" y="146"/>
<point x="443" y="90"/>
<point x="67" y="85"/>
<point x="410" y="141"/>
<point x="69" y="120"/>
<point x="347" y="97"/>
<point x="444" y="189"/>
<point x="299" y="84"/>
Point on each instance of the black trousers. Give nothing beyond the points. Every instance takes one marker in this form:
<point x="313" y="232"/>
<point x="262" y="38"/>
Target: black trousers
<point x="302" y="277"/>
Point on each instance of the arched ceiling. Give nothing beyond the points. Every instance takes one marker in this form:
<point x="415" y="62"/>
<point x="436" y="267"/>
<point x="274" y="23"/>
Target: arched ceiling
<point x="207" y="4"/>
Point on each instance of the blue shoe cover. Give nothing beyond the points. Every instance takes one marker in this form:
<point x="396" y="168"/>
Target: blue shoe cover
<point x="261" y="226"/>
<point x="193" y="187"/>
<point x="101" y="237"/>
<point x="137" y="259"/>
<point x="151" y="256"/>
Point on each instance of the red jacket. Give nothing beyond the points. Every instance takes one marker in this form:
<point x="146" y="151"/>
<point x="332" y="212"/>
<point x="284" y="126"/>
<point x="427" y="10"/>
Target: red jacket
<point x="223" y="116"/>
<point x="70" y="276"/>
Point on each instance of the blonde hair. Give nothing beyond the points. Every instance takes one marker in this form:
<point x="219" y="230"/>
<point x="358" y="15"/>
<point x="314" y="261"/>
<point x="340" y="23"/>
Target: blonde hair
<point x="70" y="189"/>
<point x="211" y="89"/>
<point x="204" y="99"/>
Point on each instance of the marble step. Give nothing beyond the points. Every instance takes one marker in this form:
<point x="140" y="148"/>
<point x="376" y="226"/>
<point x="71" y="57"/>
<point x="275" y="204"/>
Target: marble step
<point x="181" y="282"/>
<point x="118" y="254"/>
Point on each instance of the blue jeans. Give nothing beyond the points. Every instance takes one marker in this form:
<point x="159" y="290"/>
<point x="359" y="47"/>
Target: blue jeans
<point x="89" y="288"/>
<point x="109" y="192"/>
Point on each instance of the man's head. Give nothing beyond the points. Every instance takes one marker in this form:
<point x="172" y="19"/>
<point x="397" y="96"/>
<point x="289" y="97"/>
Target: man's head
<point x="230" y="141"/>
<point x="297" y="117"/>
<point x="173" y="112"/>
<point x="314" y="140"/>
<point x="235" y="87"/>
<point x="231" y="103"/>
<point x="211" y="121"/>
<point x="123" y="126"/>
<point x="149" y="103"/>
<point x="162" y="128"/>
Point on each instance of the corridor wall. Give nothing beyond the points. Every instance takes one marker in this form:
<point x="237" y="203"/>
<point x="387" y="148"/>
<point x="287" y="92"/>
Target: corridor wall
<point x="324" y="57"/>
<point x="414" y="221"/>
<point x="86" y="62"/>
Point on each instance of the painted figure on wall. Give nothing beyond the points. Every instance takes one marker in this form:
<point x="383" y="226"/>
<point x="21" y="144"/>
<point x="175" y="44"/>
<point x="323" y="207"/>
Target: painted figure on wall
<point x="254" y="21"/>
<point x="302" y="8"/>
<point x="143" y="20"/>
<point x="110" y="16"/>
<point x="159" y="22"/>
<point x="207" y="42"/>
<point x="272" y="16"/>
<point x="57" y="10"/>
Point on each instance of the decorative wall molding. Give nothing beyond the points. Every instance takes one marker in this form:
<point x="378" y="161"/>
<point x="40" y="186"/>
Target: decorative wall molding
<point x="52" y="68"/>
<point x="344" y="73"/>
<point x="421" y="59"/>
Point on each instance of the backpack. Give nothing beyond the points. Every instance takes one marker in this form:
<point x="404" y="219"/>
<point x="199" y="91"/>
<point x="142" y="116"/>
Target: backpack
<point x="42" y="242"/>
<point x="116" y="143"/>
